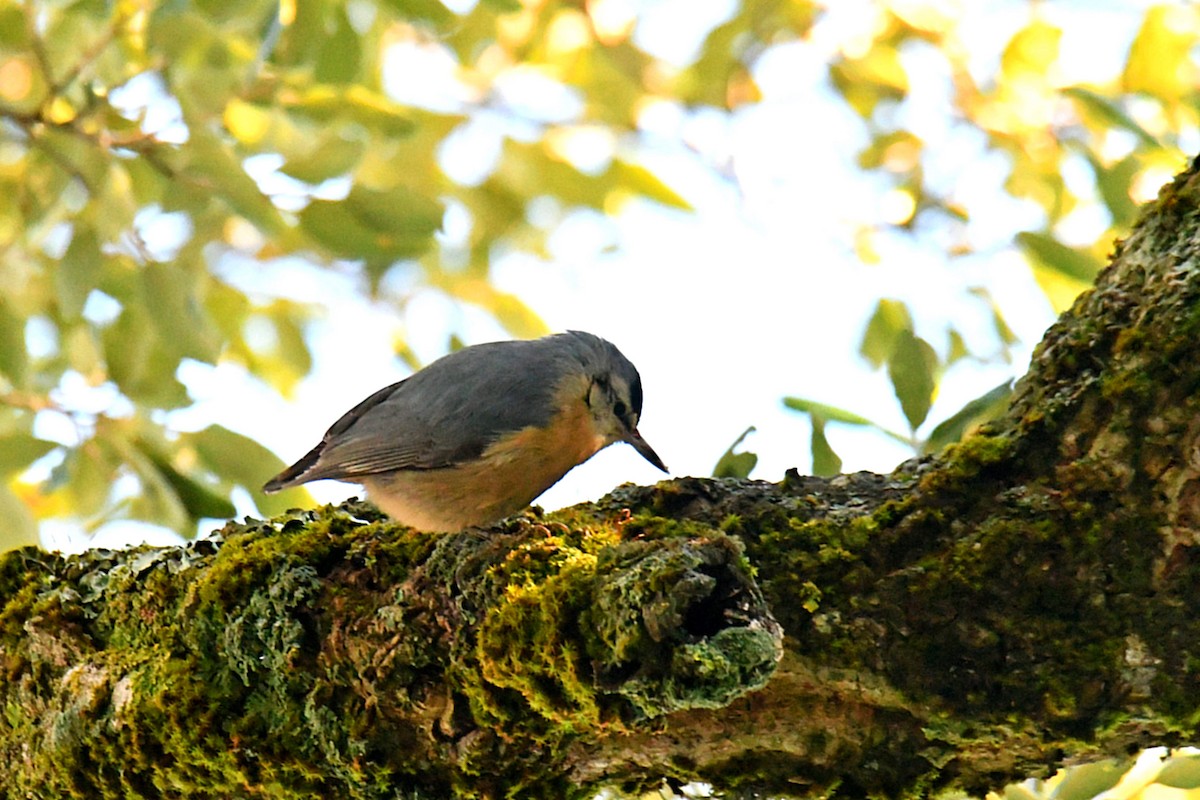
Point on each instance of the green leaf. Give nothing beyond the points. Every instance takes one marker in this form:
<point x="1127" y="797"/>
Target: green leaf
<point x="1112" y="115"/>
<point x="139" y="363"/>
<point x="19" y="528"/>
<point x="293" y="349"/>
<point x="1180" y="772"/>
<point x="913" y="369"/>
<point x="1088" y="780"/>
<point x="987" y="406"/>
<point x="835" y="414"/>
<point x="432" y="11"/>
<point x="1053" y="254"/>
<point x="373" y="224"/>
<point x="13" y="357"/>
<point x="372" y="110"/>
<point x="1114" y="184"/>
<point x="891" y="317"/>
<point x="158" y="501"/>
<point x="826" y="412"/>
<point x="957" y="349"/>
<point x="340" y="56"/>
<point x="215" y="166"/>
<point x="237" y="458"/>
<point x="333" y="155"/>
<point x="19" y="450"/>
<point x="14" y="32"/>
<point x="736" y="465"/>
<point x="999" y="324"/>
<point x="198" y="500"/>
<point x="78" y="271"/>
<point x="825" y="461"/>
<point x="1019" y="791"/>
<point x="173" y="294"/>
<point x="86" y="476"/>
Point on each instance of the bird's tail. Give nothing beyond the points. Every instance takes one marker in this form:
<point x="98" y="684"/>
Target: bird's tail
<point x="295" y="474"/>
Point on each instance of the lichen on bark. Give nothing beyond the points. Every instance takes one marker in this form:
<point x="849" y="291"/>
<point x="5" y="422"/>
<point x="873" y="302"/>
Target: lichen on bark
<point x="333" y="652"/>
<point x="1023" y="599"/>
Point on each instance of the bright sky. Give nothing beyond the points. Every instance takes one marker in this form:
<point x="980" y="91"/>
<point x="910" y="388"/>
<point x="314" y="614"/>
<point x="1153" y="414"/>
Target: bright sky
<point x="755" y="296"/>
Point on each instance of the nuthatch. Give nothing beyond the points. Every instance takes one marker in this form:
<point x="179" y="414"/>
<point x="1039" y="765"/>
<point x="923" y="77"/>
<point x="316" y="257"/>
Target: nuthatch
<point x="478" y="434"/>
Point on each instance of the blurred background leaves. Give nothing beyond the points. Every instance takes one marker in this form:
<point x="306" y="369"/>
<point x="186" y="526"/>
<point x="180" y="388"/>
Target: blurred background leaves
<point x="142" y="144"/>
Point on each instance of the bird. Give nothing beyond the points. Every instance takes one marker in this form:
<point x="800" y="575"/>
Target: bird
<point x="478" y="434"/>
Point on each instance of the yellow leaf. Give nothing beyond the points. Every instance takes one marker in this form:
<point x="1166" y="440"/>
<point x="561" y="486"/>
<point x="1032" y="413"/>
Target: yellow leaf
<point x="248" y="123"/>
<point x="1061" y="290"/>
<point x="1158" y="58"/>
<point x="1032" y="51"/>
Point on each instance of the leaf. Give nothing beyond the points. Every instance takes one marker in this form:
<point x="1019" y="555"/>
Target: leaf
<point x="86" y="476"/>
<point x="518" y="319"/>
<point x="293" y="349"/>
<point x="333" y="155"/>
<point x="736" y="465"/>
<point x="139" y="363"/>
<point x="825" y="461"/>
<point x="642" y="181"/>
<point x="214" y="164"/>
<point x="198" y="499"/>
<point x="374" y="224"/>
<point x="13" y="357"/>
<point x="1088" y="780"/>
<point x="174" y="296"/>
<point x="1019" y="791"/>
<point x="891" y="317"/>
<point x="999" y="324"/>
<point x="1032" y="51"/>
<point x="14" y="32"/>
<point x="987" y="406"/>
<point x="834" y="414"/>
<point x="827" y="412"/>
<point x="432" y="11"/>
<point x="1053" y="254"/>
<point x="19" y="528"/>
<point x="1111" y="114"/>
<point x="157" y="501"/>
<point x="323" y="103"/>
<point x="871" y="79"/>
<point x="913" y="368"/>
<point x="340" y="56"/>
<point x="1159" y="57"/>
<point x="19" y="450"/>
<point x="1114" y="184"/>
<point x="78" y="271"/>
<point x="957" y="349"/>
<point x="1180" y="772"/>
<point x="237" y="458"/>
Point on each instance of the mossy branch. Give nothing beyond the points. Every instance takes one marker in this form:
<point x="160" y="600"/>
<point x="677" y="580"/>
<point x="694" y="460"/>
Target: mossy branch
<point x="1024" y="599"/>
<point x="331" y="651"/>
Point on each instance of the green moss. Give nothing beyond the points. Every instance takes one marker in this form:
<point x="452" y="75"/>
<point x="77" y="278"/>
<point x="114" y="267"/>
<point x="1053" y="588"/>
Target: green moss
<point x="581" y="627"/>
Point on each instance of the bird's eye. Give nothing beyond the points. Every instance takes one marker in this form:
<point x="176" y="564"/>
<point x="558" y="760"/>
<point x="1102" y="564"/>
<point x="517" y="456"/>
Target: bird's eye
<point x="619" y="409"/>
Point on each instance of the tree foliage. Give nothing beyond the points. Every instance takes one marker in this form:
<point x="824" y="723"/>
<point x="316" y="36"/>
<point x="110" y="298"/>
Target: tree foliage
<point x="153" y="152"/>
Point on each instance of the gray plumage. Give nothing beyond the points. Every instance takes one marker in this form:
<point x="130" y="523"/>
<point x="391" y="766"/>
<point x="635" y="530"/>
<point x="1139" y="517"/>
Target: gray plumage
<point x="450" y="412"/>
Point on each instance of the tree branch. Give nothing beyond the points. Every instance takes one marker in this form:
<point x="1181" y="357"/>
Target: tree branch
<point x="1021" y="600"/>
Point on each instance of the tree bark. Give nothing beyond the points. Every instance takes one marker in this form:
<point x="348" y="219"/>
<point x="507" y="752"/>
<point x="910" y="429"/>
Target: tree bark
<point x="1021" y="601"/>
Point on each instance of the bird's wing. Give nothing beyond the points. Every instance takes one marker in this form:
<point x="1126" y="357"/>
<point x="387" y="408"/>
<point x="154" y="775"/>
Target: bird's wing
<point x="444" y="415"/>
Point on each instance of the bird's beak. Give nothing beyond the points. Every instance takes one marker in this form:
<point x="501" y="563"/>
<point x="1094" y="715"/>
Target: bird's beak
<point x="639" y="444"/>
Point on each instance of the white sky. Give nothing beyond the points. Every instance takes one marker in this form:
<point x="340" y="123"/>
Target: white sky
<point x="755" y="296"/>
